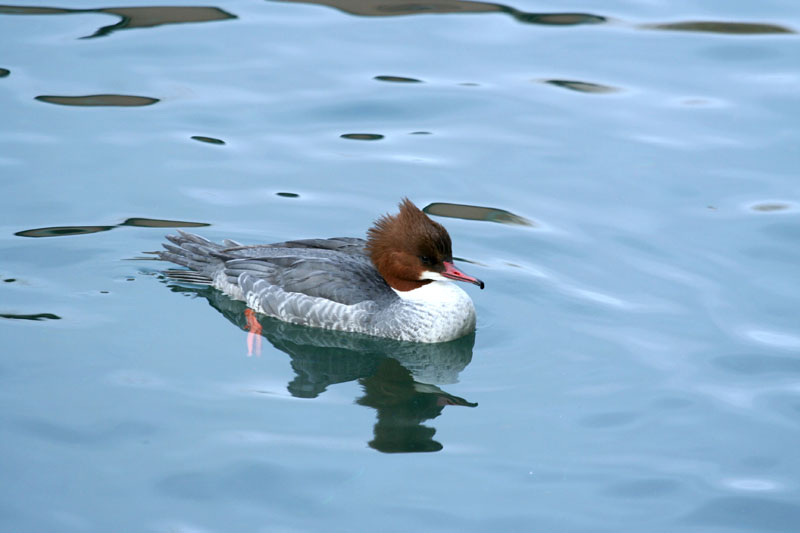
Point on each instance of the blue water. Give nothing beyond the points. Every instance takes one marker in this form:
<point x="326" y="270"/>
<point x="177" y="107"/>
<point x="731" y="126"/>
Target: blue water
<point x="637" y="361"/>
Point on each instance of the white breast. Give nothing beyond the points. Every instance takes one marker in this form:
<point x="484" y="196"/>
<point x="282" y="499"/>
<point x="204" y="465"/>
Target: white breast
<point x="437" y="312"/>
<point x="436" y="293"/>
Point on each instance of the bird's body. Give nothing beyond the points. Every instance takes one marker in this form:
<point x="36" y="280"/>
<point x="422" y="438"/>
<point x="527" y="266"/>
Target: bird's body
<point x="394" y="285"/>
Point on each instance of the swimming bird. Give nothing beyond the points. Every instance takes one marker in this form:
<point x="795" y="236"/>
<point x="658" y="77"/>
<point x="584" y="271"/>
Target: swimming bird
<point x="395" y="284"/>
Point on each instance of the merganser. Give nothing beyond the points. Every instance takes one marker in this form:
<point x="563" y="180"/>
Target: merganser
<point x="395" y="284"/>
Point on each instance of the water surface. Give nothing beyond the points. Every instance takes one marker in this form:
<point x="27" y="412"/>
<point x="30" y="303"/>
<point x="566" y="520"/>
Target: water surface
<point x="624" y="181"/>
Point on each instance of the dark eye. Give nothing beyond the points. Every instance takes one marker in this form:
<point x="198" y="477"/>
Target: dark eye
<point x="426" y="260"/>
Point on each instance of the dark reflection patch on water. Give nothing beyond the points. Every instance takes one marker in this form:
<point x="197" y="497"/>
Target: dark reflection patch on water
<point x="131" y="17"/>
<point x="4" y="72"/>
<point x="582" y="86"/>
<point x="696" y="102"/>
<point x="399" y="379"/>
<point x="735" y="28"/>
<point x="474" y="212"/>
<point x="555" y="19"/>
<point x="287" y="194"/>
<point x="420" y="133"/>
<point x="66" y="231"/>
<point x="160" y="223"/>
<point x="362" y="136"/>
<point x="99" y="100"/>
<point x="62" y="231"/>
<point x="36" y="317"/>
<point x="392" y="8"/>
<point x="209" y="140"/>
<point x="397" y="79"/>
<point x="767" y="207"/>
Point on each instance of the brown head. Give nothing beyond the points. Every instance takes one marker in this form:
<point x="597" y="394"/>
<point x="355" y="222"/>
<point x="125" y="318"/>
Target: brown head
<point x="411" y="250"/>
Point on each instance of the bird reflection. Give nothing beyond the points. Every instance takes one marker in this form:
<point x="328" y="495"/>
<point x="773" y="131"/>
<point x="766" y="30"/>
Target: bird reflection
<point x="403" y="405"/>
<point x="398" y="378"/>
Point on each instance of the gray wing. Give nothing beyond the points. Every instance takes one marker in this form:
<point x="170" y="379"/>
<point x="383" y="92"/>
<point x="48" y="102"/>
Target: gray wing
<point x="345" y="245"/>
<point x="346" y="278"/>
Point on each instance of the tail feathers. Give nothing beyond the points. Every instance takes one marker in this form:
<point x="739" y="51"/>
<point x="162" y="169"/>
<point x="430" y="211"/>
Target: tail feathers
<point x="194" y="252"/>
<point x="188" y="276"/>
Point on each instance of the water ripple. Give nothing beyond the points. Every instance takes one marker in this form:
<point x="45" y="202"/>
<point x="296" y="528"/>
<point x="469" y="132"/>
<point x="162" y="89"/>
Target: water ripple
<point x="777" y="339"/>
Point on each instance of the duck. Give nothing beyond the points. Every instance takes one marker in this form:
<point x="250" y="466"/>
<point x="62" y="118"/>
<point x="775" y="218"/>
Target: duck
<point x="396" y="284"/>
